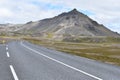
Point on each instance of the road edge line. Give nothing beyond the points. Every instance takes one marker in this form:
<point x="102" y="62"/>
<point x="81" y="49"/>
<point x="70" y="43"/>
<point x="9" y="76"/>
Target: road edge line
<point x="61" y="62"/>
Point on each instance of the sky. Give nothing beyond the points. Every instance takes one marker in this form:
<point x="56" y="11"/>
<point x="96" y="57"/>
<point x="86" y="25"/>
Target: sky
<point x="106" y="12"/>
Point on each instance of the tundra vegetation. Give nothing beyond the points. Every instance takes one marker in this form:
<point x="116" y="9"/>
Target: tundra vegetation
<point x="106" y="50"/>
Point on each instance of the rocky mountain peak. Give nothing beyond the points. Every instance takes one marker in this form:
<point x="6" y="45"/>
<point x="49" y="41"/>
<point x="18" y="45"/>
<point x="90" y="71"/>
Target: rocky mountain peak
<point x="72" y="23"/>
<point x="74" y="11"/>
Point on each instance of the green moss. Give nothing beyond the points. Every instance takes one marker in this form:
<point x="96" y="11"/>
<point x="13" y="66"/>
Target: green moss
<point x="49" y="35"/>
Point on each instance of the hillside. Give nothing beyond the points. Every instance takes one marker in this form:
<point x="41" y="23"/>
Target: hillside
<point x="68" y="24"/>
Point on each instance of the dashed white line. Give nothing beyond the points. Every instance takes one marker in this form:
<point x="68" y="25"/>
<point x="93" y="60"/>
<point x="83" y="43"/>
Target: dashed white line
<point x="6" y="48"/>
<point x="81" y="71"/>
<point x="11" y="67"/>
<point x="13" y="73"/>
<point x="8" y="55"/>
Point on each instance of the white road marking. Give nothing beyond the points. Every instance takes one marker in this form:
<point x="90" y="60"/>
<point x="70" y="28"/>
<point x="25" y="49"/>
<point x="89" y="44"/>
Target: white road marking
<point x="8" y="55"/>
<point x="81" y="71"/>
<point x="13" y="73"/>
<point x="6" y="48"/>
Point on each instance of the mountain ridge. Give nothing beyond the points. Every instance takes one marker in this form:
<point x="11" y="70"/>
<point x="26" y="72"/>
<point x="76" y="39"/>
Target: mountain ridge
<point x="67" y="24"/>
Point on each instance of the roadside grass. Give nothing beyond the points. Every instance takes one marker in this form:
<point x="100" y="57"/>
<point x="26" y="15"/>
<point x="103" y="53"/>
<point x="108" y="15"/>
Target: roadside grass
<point x="104" y="52"/>
<point x="6" y="39"/>
<point x="2" y="40"/>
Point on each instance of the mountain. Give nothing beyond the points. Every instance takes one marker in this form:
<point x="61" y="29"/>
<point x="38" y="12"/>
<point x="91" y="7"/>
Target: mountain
<point x="7" y="29"/>
<point x="6" y="25"/>
<point x="68" y="24"/>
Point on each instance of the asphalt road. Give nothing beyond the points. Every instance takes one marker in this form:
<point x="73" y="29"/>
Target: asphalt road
<point x="25" y="61"/>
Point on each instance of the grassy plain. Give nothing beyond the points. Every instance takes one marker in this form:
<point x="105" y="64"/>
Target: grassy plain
<point x="105" y="52"/>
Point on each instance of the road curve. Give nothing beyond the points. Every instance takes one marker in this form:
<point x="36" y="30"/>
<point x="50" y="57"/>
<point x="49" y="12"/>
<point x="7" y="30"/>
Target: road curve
<point x="26" y="61"/>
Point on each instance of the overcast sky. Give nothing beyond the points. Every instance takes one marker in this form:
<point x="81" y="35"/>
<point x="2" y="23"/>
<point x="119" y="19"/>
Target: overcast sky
<point x="105" y="12"/>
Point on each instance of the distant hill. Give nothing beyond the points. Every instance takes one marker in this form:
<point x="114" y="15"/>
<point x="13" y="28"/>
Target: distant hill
<point x="68" y="24"/>
<point x="6" y="29"/>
